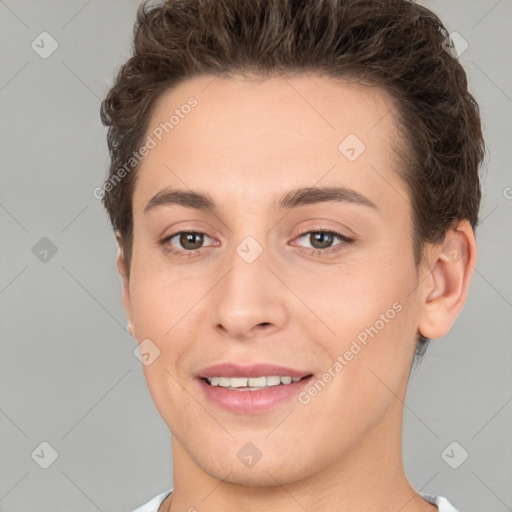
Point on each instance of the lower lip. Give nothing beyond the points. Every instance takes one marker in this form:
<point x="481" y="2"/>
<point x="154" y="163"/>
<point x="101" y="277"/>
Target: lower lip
<point x="252" y="402"/>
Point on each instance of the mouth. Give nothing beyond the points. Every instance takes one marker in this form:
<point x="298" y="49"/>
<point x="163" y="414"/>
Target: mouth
<point x="252" y="395"/>
<point x="251" y="389"/>
<point x="252" y="383"/>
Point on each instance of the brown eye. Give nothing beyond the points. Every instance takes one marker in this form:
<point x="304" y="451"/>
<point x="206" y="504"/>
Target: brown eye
<point x="191" y="241"/>
<point x="185" y="243"/>
<point x="321" y="239"/>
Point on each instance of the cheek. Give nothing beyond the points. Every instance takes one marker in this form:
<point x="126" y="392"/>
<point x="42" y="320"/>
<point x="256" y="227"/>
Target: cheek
<point x="371" y="316"/>
<point x="161" y="296"/>
<point x="349" y="299"/>
<point x="159" y="309"/>
<point x="367" y="368"/>
<point x="162" y="309"/>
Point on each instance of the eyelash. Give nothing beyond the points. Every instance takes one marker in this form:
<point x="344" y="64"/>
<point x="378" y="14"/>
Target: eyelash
<point x="312" y="251"/>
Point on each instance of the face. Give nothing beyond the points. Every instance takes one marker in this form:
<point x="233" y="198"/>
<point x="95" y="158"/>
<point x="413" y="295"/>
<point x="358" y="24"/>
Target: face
<point x="301" y="258"/>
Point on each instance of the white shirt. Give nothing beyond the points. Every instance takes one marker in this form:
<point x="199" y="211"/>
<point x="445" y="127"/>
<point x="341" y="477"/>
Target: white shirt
<point x="442" y="503"/>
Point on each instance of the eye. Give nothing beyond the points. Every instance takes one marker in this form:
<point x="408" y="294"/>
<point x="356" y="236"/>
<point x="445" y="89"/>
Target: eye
<point x="186" y="243"/>
<point x="322" y="241"/>
<point x="190" y="243"/>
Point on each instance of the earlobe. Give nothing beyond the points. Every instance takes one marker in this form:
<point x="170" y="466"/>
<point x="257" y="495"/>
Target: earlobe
<point x="445" y="290"/>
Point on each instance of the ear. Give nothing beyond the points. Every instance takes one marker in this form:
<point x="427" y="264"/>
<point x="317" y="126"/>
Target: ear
<point x="122" y="268"/>
<point x="446" y="286"/>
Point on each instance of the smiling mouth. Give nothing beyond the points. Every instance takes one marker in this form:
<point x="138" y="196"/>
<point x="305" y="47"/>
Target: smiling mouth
<point x="252" y="383"/>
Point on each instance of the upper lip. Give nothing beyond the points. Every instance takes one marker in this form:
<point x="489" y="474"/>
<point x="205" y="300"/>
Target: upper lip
<point x="253" y="370"/>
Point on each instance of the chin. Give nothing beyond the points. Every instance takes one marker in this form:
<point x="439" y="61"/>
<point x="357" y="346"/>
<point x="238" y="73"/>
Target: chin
<point x="264" y="476"/>
<point x="266" y="471"/>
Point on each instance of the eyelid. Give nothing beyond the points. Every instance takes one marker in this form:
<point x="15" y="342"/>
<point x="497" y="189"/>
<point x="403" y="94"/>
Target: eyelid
<point x="322" y="224"/>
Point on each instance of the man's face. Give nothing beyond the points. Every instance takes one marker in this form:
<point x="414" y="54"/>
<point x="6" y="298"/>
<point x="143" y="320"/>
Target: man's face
<point x="264" y="283"/>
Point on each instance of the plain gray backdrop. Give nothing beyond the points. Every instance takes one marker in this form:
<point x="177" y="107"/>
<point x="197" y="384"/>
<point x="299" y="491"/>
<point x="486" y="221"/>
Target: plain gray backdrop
<point x="68" y="375"/>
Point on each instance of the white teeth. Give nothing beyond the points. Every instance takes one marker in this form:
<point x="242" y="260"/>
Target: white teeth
<point x="273" y="380"/>
<point x="251" y="382"/>
<point x="224" y="381"/>
<point x="237" y="382"/>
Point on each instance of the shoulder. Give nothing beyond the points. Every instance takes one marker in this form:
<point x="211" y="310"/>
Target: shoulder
<point x="153" y="504"/>
<point x="442" y="503"/>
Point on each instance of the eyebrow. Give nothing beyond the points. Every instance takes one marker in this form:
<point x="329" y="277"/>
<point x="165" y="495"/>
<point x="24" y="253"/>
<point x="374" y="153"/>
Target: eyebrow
<point x="292" y="199"/>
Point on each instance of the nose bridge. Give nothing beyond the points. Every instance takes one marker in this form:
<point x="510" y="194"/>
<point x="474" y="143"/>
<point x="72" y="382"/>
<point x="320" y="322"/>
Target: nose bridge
<point x="248" y="294"/>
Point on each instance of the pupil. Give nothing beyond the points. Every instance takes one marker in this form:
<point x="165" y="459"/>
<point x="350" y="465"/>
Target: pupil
<point x="185" y="238"/>
<point x="319" y="236"/>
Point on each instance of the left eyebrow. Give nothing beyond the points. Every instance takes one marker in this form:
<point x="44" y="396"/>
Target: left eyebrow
<point x="306" y="196"/>
<point x="292" y="199"/>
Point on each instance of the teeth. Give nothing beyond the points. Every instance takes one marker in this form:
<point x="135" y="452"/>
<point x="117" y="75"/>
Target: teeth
<point x="251" y="382"/>
<point x="273" y="380"/>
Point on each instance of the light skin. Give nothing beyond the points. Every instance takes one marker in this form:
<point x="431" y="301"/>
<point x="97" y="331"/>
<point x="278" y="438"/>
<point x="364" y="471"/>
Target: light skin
<point x="246" y="144"/>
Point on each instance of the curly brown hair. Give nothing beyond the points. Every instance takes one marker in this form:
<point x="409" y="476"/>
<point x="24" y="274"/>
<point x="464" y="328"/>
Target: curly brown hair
<point x="397" y="45"/>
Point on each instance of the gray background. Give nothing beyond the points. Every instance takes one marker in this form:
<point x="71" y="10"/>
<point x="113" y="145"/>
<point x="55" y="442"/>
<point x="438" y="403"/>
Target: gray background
<point x="68" y="375"/>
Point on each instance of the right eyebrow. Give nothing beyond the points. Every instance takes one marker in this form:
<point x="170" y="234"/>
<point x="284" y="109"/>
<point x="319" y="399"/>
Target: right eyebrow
<point x="167" y="197"/>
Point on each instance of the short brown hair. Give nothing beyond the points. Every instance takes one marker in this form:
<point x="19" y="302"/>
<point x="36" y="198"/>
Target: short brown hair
<point x="395" y="44"/>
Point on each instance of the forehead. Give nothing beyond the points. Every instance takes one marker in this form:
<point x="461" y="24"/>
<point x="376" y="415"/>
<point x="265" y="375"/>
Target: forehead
<point x="249" y="136"/>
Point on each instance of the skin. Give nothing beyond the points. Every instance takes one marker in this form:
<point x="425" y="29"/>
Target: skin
<point x="246" y="142"/>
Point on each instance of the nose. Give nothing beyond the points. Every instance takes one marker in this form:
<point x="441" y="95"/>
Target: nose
<point x="249" y="300"/>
